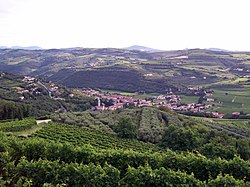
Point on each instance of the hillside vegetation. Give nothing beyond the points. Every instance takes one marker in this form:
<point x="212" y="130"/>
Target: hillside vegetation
<point x="167" y="129"/>
<point x="20" y="99"/>
<point x="83" y="145"/>
<point x="72" y="155"/>
<point x="173" y="68"/>
<point x="225" y="72"/>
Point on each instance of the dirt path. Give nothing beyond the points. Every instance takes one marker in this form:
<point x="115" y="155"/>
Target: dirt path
<point x="234" y="99"/>
<point x="37" y="127"/>
<point x="42" y="121"/>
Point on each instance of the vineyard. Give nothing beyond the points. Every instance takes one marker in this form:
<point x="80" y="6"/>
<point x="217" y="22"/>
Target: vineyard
<point x="84" y="135"/>
<point x="17" y="125"/>
<point x="66" y="155"/>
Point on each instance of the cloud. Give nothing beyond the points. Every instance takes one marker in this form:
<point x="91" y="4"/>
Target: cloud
<point x="9" y="6"/>
<point x="158" y="23"/>
<point x="6" y="5"/>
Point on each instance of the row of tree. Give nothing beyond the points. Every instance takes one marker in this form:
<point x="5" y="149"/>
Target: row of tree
<point x="12" y="110"/>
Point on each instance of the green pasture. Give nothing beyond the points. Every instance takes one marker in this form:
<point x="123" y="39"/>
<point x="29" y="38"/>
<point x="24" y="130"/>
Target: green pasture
<point x="119" y="92"/>
<point x="188" y="99"/>
<point x="235" y="122"/>
<point x="233" y="100"/>
<point x="141" y="96"/>
<point x="241" y="55"/>
<point x="18" y="60"/>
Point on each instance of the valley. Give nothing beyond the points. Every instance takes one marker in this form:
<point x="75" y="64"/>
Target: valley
<point x="146" y="72"/>
<point x="115" y="117"/>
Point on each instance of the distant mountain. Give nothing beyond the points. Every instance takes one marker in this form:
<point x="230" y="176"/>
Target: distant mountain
<point x="26" y="48"/>
<point x="3" y="47"/>
<point x="142" y="48"/>
<point x="217" y="49"/>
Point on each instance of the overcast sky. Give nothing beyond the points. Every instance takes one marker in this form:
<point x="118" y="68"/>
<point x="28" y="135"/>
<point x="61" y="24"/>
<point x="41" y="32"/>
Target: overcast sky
<point x="161" y="24"/>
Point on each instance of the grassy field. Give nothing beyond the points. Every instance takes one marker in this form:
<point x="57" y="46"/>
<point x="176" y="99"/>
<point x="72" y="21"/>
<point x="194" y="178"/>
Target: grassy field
<point x="30" y="131"/>
<point x="189" y="99"/>
<point x="231" y="81"/>
<point x="233" y="100"/>
<point x="141" y="96"/>
<point x="119" y="92"/>
<point x="236" y="122"/>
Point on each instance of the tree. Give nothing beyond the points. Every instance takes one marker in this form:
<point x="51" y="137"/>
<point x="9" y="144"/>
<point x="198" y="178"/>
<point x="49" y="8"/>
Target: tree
<point x="179" y="138"/>
<point x="125" y="128"/>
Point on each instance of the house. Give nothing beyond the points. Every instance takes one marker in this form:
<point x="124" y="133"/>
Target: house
<point x="71" y="95"/>
<point x="28" y="79"/>
<point x="210" y="100"/>
<point x="236" y="113"/>
<point x="21" y="98"/>
<point x="217" y="115"/>
<point x="148" y="75"/>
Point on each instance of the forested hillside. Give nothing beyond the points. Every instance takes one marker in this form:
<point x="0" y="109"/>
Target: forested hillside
<point x="23" y="97"/>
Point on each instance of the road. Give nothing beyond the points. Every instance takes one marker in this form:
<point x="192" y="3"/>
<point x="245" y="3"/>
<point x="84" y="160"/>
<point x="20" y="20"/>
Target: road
<point x="49" y="93"/>
<point x="41" y="84"/>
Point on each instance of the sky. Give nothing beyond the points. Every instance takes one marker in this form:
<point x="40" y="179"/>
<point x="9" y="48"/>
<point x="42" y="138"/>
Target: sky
<point x="160" y="24"/>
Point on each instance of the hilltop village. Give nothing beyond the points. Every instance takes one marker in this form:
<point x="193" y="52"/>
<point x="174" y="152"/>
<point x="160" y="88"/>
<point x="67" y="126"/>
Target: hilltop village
<point x="116" y="101"/>
<point x="36" y="87"/>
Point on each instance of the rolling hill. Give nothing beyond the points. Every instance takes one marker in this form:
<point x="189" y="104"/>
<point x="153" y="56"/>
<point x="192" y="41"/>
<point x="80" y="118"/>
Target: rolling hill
<point x="27" y="96"/>
<point x="140" y="71"/>
<point x="142" y="48"/>
<point x="92" y="148"/>
<point x="192" y="67"/>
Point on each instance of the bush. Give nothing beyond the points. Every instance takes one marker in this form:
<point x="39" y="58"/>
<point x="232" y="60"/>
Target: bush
<point x="125" y="128"/>
<point x="225" y="181"/>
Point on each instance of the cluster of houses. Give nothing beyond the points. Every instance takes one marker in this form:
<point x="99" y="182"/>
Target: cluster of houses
<point x="52" y="87"/>
<point x="29" y="79"/>
<point x="30" y="88"/>
<point x="118" y="101"/>
<point x="170" y="100"/>
<point x="33" y="87"/>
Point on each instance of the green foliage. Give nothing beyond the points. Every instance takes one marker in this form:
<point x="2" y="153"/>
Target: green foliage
<point x="226" y="181"/>
<point x="84" y="135"/>
<point x="146" y="176"/>
<point x="71" y="174"/>
<point x="12" y="110"/>
<point x="125" y="128"/>
<point x="43" y="105"/>
<point x="117" y="77"/>
<point x="152" y="124"/>
<point x="150" y="121"/>
<point x="64" y="163"/>
<point x="17" y="125"/>
<point x="242" y="148"/>
<point x="180" y="138"/>
<point x="216" y="149"/>
<point x="36" y="101"/>
<point x="192" y="136"/>
<point x="166" y="109"/>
